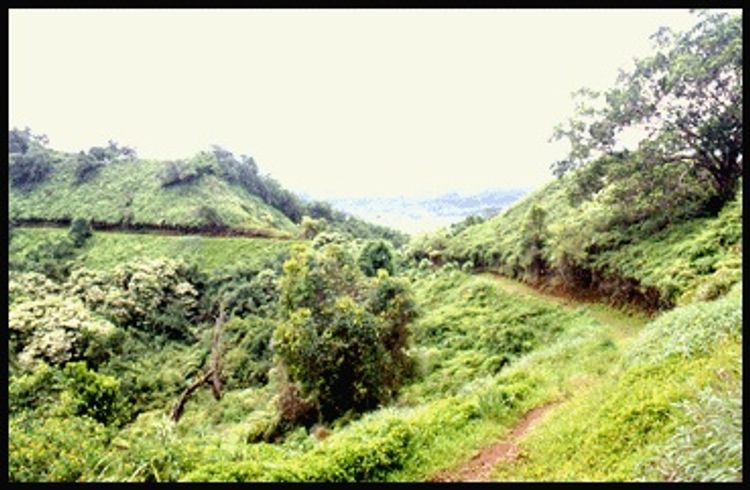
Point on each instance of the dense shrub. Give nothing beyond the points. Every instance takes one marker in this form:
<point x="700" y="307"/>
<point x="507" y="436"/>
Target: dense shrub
<point x="248" y="356"/>
<point x="534" y="238"/>
<point x="709" y="447"/>
<point x="86" y="167"/>
<point x="181" y="172"/>
<point x="88" y="164"/>
<point x="368" y="454"/>
<point x="324" y="238"/>
<point x="51" y="257"/>
<point x="95" y="395"/>
<point x="28" y="286"/>
<point x="55" y="448"/>
<point x="26" y="170"/>
<point x="343" y="364"/>
<point x="241" y="292"/>
<point x="149" y="451"/>
<point x="311" y="227"/>
<point x="154" y="295"/>
<point x="57" y="329"/>
<point x="375" y="255"/>
<point x="80" y="231"/>
<point x="37" y="388"/>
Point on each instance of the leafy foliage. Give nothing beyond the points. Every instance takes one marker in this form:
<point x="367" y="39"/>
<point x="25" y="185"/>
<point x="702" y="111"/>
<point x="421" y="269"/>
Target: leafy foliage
<point x="709" y="448"/>
<point x="30" y="162"/>
<point x="343" y="351"/>
<point x="249" y="357"/>
<point x="688" y="95"/>
<point x="57" y="329"/>
<point x="55" y="448"/>
<point x="96" y="395"/>
<point x="376" y="255"/>
<point x="80" y="231"/>
<point x="88" y="164"/>
<point x="155" y="295"/>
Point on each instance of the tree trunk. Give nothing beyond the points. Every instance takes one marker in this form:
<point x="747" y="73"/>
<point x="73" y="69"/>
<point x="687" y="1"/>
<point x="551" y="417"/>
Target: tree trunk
<point x="216" y="385"/>
<point x="724" y="177"/>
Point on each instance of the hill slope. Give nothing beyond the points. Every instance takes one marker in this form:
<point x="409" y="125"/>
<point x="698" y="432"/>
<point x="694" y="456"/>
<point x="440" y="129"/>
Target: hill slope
<point x="211" y="192"/>
<point x="670" y="254"/>
<point x="133" y="192"/>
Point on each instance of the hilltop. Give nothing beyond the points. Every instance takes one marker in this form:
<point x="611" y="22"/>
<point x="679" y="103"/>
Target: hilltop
<point x="211" y="192"/>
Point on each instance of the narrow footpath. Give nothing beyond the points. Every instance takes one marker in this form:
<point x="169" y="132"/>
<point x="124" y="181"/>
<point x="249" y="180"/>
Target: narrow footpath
<point x="479" y="467"/>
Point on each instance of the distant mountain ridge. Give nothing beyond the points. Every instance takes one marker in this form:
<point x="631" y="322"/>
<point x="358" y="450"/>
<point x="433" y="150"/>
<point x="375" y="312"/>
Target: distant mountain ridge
<point x="420" y="214"/>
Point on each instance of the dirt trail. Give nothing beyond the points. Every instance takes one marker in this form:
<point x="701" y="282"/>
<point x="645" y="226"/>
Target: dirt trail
<point x="478" y="468"/>
<point x="154" y="229"/>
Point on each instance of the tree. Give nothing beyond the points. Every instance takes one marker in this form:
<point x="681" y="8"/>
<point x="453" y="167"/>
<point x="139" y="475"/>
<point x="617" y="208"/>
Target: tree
<point x="687" y="97"/>
<point x="89" y="163"/>
<point x="86" y="167"/>
<point x="20" y="140"/>
<point x="343" y="336"/>
<point x="80" y="231"/>
<point x="533" y="242"/>
<point x="375" y="255"/>
<point x="312" y="227"/>
<point x="320" y="209"/>
<point x="30" y="162"/>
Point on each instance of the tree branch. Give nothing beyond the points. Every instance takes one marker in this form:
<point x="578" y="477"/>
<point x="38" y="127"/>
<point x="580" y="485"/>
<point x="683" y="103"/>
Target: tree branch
<point x="180" y="405"/>
<point x="212" y="376"/>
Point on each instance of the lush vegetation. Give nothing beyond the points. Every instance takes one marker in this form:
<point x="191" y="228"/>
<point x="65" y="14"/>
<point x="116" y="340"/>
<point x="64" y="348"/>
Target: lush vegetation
<point x="646" y="420"/>
<point x="342" y="357"/>
<point x="214" y="190"/>
<point x="655" y="225"/>
<point x="104" y="251"/>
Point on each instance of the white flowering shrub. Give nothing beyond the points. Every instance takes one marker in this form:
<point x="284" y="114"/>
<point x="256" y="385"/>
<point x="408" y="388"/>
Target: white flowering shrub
<point x="154" y="295"/>
<point x="25" y="286"/>
<point x="57" y="329"/>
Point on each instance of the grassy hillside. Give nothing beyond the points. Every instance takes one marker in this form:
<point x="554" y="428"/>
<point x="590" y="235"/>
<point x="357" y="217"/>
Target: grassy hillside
<point x="105" y="250"/>
<point x="212" y="191"/>
<point x="592" y="332"/>
<point x="668" y="256"/>
<point x="131" y="191"/>
<point x="669" y="410"/>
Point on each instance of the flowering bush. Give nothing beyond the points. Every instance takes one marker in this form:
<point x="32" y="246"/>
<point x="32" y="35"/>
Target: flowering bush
<point x="57" y="329"/>
<point x="153" y="295"/>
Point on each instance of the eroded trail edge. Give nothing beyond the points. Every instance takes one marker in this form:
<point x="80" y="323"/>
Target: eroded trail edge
<point x="479" y="467"/>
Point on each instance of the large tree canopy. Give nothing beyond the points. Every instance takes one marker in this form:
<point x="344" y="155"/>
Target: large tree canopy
<point x="687" y="96"/>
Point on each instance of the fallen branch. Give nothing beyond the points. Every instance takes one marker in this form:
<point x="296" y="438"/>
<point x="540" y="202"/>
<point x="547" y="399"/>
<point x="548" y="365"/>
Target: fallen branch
<point x="212" y="376"/>
<point x="180" y="405"/>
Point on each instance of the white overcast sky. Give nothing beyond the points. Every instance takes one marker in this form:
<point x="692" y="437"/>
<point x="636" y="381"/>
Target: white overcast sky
<point x="330" y="102"/>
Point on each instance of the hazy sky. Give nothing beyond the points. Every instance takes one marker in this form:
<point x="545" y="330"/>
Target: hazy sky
<point x="329" y="102"/>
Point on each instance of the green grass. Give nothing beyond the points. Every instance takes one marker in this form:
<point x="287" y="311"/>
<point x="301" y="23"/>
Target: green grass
<point x="131" y="191"/>
<point x="105" y="250"/>
<point x="487" y="350"/>
<point x="690" y="258"/>
<point x="616" y="427"/>
<point x="434" y="424"/>
<point x="699" y="259"/>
